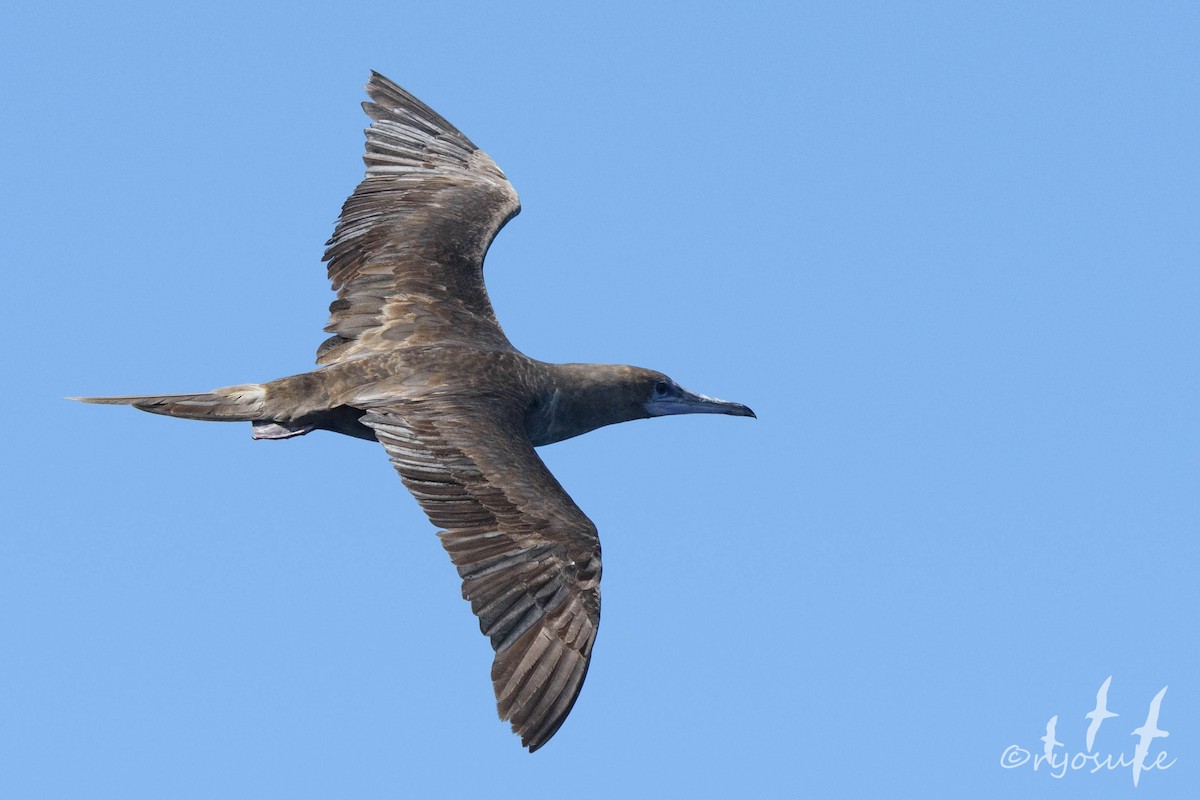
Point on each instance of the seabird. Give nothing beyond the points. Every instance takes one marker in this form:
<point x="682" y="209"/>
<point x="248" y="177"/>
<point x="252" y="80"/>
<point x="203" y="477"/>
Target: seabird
<point x="418" y="362"/>
<point x="1098" y="714"/>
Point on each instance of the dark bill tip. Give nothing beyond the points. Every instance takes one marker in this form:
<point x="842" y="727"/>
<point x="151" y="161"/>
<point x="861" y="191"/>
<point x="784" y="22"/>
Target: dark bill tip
<point x="739" y="410"/>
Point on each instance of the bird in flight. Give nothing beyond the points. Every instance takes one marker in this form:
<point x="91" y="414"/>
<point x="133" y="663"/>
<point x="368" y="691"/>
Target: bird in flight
<point x="418" y="362"/>
<point x="1098" y="714"/>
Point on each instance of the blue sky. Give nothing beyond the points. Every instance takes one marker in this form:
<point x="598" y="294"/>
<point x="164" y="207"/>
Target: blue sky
<point x="948" y="252"/>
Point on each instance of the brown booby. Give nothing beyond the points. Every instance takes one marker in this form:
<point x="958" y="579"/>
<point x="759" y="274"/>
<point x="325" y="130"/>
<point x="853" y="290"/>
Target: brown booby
<point x="418" y="362"/>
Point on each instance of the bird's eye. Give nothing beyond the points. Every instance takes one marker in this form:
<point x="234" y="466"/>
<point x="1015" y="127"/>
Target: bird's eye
<point x="662" y="387"/>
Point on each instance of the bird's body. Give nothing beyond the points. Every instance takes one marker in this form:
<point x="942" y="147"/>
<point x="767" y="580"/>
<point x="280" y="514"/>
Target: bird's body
<point x="418" y="362"/>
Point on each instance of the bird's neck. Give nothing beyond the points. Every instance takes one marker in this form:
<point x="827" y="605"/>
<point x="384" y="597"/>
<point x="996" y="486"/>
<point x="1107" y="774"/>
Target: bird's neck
<point x="579" y="398"/>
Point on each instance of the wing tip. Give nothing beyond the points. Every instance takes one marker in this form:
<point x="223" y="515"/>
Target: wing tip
<point x="536" y="711"/>
<point x="377" y="77"/>
<point x="538" y="739"/>
<point x="388" y="98"/>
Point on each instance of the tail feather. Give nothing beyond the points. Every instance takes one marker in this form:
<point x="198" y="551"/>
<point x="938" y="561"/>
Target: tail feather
<point x="243" y="403"/>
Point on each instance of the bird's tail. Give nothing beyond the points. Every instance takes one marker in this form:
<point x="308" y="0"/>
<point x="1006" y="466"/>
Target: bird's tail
<point x="243" y="403"/>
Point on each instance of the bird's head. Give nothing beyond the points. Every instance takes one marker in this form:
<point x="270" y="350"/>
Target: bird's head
<point x="661" y="396"/>
<point x="590" y="396"/>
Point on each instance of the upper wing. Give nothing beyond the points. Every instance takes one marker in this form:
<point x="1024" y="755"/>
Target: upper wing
<point x="528" y="557"/>
<point x="406" y="257"/>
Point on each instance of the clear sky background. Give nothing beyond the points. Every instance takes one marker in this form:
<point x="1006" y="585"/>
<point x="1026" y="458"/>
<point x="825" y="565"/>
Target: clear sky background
<point x="950" y="253"/>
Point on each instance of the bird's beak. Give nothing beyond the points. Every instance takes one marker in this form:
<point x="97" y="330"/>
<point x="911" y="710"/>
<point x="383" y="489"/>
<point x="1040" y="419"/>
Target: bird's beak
<point x="683" y="401"/>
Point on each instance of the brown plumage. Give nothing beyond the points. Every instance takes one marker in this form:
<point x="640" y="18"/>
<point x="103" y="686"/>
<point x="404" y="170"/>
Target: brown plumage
<point x="418" y="362"/>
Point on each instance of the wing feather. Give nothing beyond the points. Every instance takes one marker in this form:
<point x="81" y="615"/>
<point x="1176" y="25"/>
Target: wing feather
<point x="528" y="558"/>
<point x="406" y="256"/>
